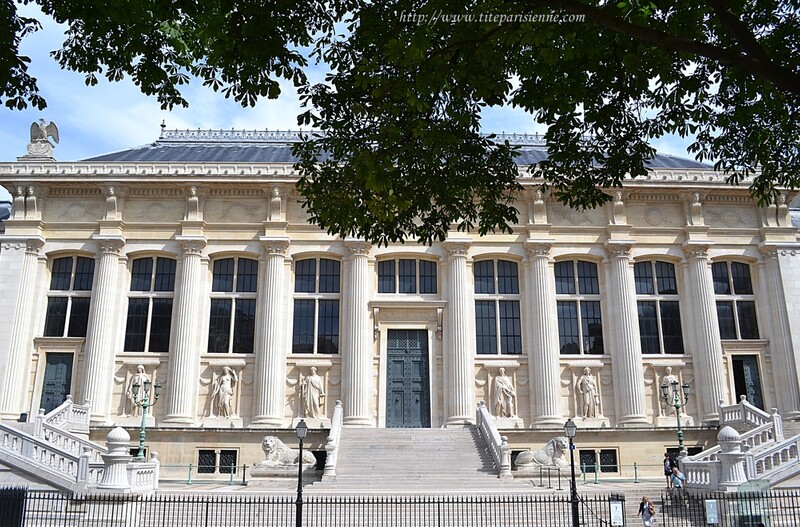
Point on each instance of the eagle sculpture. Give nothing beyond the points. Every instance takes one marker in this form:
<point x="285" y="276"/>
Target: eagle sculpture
<point x="41" y="131"/>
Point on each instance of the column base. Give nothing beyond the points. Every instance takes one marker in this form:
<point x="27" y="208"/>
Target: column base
<point x="634" y="420"/>
<point x="135" y="421"/>
<point x="793" y="415"/>
<point x="233" y="421"/>
<point x="177" y="421"/>
<point x="591" y="422"/>
<point x="459" y="422"/>
<point x="549" y="420"/>
<point x="355" y="421"/>
<point x="266" y="421"/>
<point x="710" y="419"/>
<point x="508" y="423"/>
<point x="670" y="421"/>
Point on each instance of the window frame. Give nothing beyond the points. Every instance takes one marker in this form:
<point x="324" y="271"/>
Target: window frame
<point x="507" y="329"/>
<point x="735" y="299"/>
<point x="397" y="264"/>
<point x="580" y="299"/>
<point x="235" y="297"/>
<point x="659" y="299"/>
<point x="69" y="294"/>
<point x="320" y="299"/>
<point x="151" y="296"/>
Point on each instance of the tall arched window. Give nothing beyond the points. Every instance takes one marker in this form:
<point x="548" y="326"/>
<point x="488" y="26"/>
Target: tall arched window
<point x="68" y="300"/>
<point x="658" y="308"/>
<point x="736" y="303"/>
<point x="316" y="306"/>
<point x="497" y="314"/>
<point x="580" y="324"/>
<point x="150" y="304"/>
<point x="234" y="287"/>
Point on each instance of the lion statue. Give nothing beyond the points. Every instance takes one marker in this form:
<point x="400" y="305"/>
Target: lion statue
<point x="278" y="454"/>
<point x="550" y="455"/>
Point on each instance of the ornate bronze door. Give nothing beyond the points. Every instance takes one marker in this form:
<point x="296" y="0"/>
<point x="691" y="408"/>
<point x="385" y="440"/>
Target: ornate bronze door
<point x="408" y="397"/>
<point x="57" y="380"/>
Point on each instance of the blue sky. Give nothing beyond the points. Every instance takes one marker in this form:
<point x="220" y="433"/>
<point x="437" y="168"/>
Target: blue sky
<point x="114" y="116"/>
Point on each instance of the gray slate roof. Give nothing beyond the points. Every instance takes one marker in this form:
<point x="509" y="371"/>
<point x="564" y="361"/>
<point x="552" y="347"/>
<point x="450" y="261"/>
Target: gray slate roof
<point x="245" y="146"/>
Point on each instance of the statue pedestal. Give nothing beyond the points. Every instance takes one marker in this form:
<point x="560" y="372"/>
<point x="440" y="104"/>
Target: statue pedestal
<point x="506" y="423"/>
<point x="135" y="421"/>
<point x="314" y="423"/>
<point x="591" y="422"/>
<point x="670" y="421"/>
<point x="267" y="474"/>
<point x="213" y="421"/>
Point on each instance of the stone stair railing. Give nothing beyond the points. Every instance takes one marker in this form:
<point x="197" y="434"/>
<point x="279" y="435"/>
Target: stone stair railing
<point x="68" y="416"/>
<point x="497" y="444"/>
<point x="760" y="453"/>
<point x="332" y="444"/>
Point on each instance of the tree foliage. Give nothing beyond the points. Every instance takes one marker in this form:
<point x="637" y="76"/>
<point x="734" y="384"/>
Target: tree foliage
<point x="401" y="153"/>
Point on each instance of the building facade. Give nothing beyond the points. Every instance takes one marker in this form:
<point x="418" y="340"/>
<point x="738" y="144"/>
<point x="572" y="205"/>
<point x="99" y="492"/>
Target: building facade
<point x="190" y="263"/>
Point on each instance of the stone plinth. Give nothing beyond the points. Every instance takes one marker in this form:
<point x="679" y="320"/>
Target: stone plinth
<point x="669" y="421"/>
<point x="135" y="421"/>
<point x="313" y="423"/>
<point x="591" y="422"/>
<point x="265" y="475"/>
<point x="507" y="423"/>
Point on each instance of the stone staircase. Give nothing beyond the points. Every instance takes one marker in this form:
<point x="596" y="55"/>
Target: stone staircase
<point x="414" y="460"/>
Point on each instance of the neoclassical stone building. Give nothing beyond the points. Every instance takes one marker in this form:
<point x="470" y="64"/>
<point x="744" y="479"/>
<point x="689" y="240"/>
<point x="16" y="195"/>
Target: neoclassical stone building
<point x="192" y="258"/>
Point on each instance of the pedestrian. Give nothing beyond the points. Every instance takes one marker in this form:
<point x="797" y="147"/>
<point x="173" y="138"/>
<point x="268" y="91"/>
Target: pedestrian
<point x="678" y="479"/>
<point x="668" y="464"/>
<point x="647" y="510"/>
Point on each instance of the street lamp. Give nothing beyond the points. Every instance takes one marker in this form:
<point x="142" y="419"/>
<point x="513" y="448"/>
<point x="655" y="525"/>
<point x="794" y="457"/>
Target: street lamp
<point x="302" y="431"/>
<point x="570" y="429"/>
<point x="674" y="390"/>
<point x="144" y="403"/>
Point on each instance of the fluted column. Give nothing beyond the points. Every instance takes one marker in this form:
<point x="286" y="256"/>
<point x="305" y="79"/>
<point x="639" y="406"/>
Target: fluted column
<point x="98" y="365"/>
<point x="357" y="376"/>
<point x="270" y="360"/>
<point x="184" y="360"/>
<point x="626" y="350"/>
<point x="707" y="355"/>
<point x="20" y="345"/>
<point x="543" y="367"/>
<point x="459" y="350"/>
<point x="784" y="367"/>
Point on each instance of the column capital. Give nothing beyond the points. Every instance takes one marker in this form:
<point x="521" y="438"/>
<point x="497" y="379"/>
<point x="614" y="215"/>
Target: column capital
<point x="33" y="246"/>
<point x="358" y="247"/>
<point x="192" y="247"/>
<point x="456" y="247"/>
<point x="697" y="250"/>
<point x="619" y="249"/>
<point x="538" y="248"/>
<point x="768" y="251"/>
<point x="111" y="246"/>
<point x="275" y="246"/>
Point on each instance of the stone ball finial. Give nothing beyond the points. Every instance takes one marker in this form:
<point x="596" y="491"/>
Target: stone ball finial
<point x="118" y="440"/>
<point x="728" y="434"/>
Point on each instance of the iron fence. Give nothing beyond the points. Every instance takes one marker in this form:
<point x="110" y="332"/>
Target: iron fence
<point x="47" y="509"/>
<point x="769" y="509"/>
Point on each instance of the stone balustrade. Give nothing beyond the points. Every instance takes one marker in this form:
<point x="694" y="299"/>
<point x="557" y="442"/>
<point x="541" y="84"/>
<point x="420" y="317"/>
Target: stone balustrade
<point x="332" y="444"/>
<point x="67" y="416"/>
<point x="497" y="444"/>
<point x="744" y="413"/>
<point x="763" y="464"/>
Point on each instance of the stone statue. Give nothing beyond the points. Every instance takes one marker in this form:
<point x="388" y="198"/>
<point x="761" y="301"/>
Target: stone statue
<point x="587" y="387"/>
<point x="39" y="145"/>
<point x="278" y="454"/>
<point x="504" y="395"/>
<point x="550" y="455"/>
<point x="667" y="380"/>
<point x="223" y="393"/>
<point x="140" y="377"/>
<point x="313" y="393"/>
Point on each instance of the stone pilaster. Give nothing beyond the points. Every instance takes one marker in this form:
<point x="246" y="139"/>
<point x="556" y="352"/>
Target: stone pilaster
<point x="707" y="354"/>
<point x="20" y="345"/>
<point x="357" y="376"/>
<point x="543" y="366"/>
<point x="784" y="367"/>
<point x="182" y="380"/>
<point x="99" y="350"/>
<point x="459" y="349"/>
<point x="626" y="346"/>
<point x="270" y="359"/>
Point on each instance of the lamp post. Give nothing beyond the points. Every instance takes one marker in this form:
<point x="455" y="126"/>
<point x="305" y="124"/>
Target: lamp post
<point x="570" y="429"/>
<point x="302" y="431"/>
<point x="144" y="403"/>
<point x="673" y="390"/>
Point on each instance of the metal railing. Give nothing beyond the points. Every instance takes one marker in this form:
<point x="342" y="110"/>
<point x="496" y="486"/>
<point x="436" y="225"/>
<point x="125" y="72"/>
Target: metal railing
<point x="43" y="509"/>
<point x="192" y="474"/>
<point x="773" y="509"/>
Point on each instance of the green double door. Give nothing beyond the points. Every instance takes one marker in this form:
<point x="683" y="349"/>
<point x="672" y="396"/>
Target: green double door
<point x="57" y="380"/>
<point x="408" y="402"/>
